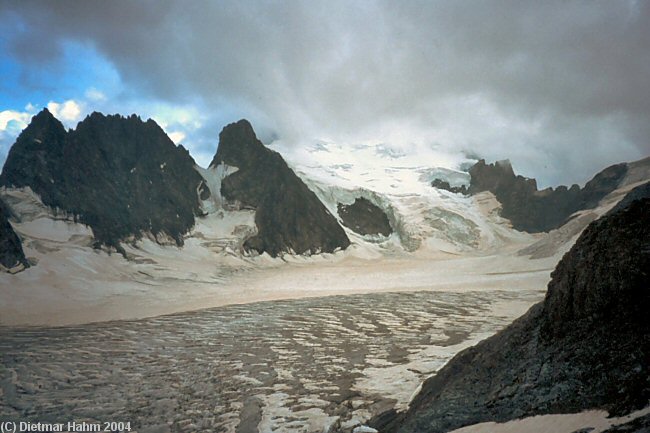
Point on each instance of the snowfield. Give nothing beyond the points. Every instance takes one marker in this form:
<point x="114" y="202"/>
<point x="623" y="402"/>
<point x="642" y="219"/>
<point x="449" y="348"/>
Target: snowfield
<point x="301" y="365"/>
<point x="320" y="357"/>
<point x="593" y="421"/>
<point x="441" y="241"/>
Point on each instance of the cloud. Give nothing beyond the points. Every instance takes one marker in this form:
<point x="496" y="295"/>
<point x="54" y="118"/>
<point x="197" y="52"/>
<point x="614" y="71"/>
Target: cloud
<point x="177" y="136"/>
<point x="11" y="123"/>
<point x="95" y="95"/>
<point x="561" y="88"/>
<point x="181" y="123"/>
<point x="68" y="112"/>
<point x="11" y="120"/>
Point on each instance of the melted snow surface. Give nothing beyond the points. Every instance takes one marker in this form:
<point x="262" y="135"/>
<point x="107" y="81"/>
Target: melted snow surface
<point x="592" y="421"/>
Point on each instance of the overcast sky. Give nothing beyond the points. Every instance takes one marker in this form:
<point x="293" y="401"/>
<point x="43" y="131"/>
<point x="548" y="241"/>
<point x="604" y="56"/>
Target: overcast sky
<point x="560" y="88"/>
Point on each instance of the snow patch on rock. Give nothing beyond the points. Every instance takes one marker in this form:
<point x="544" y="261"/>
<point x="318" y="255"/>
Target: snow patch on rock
<point x="213" y="177"/>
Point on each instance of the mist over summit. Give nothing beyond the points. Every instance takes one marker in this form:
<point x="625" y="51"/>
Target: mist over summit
<point x="559" y="89"/>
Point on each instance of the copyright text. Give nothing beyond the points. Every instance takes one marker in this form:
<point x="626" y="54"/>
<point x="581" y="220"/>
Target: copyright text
<point x="71" y="426"/>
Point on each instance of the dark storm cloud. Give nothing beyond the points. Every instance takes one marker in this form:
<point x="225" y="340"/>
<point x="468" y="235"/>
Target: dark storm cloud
<point x="562" y="88"/>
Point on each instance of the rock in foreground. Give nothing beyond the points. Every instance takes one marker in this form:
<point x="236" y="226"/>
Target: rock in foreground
<point x="586" y="346"/>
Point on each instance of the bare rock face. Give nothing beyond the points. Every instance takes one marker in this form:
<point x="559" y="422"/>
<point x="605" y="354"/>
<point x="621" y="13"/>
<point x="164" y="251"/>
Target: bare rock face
<point x="641" y="191"/>
<point x="365" y="218"/>
<point x="443" y="184"/>
<point x="532" y="210"/>
<point x="289" y="217"/>
<point x="11" y="249"/>
<point x="586" y="346"/>
<point x="605" y="277"/>
<point x="119" y="175"/>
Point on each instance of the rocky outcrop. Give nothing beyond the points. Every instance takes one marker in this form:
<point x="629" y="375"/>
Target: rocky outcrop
<point x="606" y="276"/>
<point x="288" y="215"/>
<point x="364" y="217"/>
<point x="641" y="191"/>
<point x="587" y="345"/>
<point x="443" y="184"/>
<point x="11" y="249"/>
<point x="532" y="210"/>
<point x="119" y="175"/>
<point x="637" y="425"/>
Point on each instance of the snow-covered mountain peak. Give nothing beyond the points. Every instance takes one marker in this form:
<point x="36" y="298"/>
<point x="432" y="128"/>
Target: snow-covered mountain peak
<point x="379" y="167"/>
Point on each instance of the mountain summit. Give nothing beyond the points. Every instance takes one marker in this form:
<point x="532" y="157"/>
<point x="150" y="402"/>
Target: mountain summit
<point x="121" y="176"/>
<point x="289" y="217"/>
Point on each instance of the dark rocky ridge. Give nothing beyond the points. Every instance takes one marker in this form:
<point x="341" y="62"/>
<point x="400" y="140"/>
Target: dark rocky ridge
<point x="641" y="191"/>
<point x="11" y="249"/>
<point x="289" y="216"/>
<point x="586" y="346"/>
<point x="364" y="217"/>
<point x="532" y="210"/>
<point x="606" y="277"/>
<point x="121" y="176"/>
